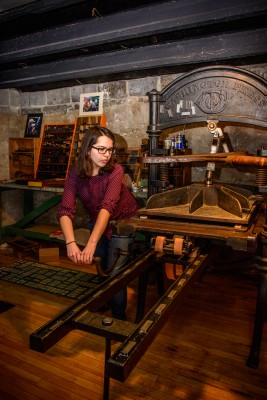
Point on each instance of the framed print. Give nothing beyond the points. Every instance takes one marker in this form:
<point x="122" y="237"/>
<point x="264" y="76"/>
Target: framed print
<point x="91" y="104"/>
<point x="33" y="125"/>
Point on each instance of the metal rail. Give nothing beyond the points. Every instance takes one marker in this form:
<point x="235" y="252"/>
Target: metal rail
<point x="50" y="333"/>
<point x="132" y="349"/>
<point x="135" y="338"/>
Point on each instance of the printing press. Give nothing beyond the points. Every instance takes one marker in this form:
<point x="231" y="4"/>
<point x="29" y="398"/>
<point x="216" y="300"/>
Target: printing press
<point x="184" y="225"/>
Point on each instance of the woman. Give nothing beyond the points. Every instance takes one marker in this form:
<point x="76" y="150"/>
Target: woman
<point x="98" y="181"/>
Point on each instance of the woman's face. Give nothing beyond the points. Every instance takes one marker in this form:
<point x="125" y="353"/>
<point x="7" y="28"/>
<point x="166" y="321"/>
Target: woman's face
<point x="100" y="160"/>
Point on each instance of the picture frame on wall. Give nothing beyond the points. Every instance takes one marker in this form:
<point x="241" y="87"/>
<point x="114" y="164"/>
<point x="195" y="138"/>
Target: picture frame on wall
<point x="33" y="125"/>
<point x="91" y="103"/>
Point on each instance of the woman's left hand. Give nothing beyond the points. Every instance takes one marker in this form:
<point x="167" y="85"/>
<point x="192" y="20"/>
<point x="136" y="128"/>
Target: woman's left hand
<point x="87" y="255"/>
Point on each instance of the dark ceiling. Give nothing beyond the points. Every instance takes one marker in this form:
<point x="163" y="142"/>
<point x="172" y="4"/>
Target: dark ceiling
<point x="47" y="44"/>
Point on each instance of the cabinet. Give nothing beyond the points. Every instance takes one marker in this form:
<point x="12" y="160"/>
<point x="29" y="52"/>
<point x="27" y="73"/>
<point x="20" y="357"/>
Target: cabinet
<point x="55" y="151"/>
<point x="23" y="157"/>
<point x="81" y="125"/>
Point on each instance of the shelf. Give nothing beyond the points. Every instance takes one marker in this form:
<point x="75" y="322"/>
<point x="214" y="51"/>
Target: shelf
<point x="23" y="157"/>
<point x="55" y="150"/>
<point x="81" y="126"/>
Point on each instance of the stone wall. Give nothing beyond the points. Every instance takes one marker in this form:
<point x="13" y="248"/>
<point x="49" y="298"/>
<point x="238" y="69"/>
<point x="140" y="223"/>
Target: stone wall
<point x="126" y="108"/>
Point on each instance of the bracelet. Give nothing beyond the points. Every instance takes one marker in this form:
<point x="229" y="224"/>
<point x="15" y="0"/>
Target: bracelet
<point x="70" y="242"/>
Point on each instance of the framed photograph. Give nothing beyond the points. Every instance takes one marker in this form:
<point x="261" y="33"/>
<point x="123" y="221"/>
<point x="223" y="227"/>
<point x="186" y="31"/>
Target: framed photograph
<point x="33" y="125"/>
<point x="91" y="103"/>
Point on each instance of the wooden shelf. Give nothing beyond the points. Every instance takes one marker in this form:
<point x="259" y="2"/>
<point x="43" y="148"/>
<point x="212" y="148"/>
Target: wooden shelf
<point x="23" y="157"/>
<point x="128" y="158"/>
<point x="55" y="151"/>
<point x="81" y="125"/>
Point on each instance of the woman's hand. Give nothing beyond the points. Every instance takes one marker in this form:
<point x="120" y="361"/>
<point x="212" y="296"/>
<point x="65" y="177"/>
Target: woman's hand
<point x="73" y="252"/>
<point x="82" y="257"/>
<point x="88" y="252"/>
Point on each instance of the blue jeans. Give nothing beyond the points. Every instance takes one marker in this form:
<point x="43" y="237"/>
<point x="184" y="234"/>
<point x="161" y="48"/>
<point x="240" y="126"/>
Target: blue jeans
<point x="115" y="250"/>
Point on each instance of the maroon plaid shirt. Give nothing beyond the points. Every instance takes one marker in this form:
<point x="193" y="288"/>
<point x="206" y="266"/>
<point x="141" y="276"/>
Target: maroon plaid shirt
<point x="102" y="191"/>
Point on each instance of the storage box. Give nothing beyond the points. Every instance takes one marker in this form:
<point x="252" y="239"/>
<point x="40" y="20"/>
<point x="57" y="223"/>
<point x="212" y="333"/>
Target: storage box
<point x="22" y="245"/>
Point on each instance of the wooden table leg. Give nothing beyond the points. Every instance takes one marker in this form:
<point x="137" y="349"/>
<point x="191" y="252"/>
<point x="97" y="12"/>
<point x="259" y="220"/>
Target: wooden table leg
<point x="260" y="318"/>
<point x="106" y="377"/>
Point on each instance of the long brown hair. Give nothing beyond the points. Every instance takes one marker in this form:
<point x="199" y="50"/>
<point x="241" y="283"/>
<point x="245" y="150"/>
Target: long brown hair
<point x="84" y="165"/>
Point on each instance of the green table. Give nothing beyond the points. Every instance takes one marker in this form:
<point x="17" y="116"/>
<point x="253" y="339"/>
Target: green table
<point x="30" y="213"/>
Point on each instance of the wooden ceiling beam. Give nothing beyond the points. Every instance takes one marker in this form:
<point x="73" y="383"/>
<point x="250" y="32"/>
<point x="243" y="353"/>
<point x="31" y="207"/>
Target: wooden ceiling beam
<point x="37" y="7"/>
<point x="193" y="51"/>
<point x="157" y="19"/>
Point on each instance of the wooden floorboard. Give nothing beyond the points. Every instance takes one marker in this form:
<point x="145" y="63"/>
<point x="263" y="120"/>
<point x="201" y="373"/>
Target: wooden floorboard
<point x="199" y="354"/>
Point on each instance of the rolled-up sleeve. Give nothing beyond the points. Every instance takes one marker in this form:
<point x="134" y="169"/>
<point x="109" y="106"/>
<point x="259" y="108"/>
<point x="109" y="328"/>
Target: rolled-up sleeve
<point x="113" y="190"/>
<point x="68" y="203"/>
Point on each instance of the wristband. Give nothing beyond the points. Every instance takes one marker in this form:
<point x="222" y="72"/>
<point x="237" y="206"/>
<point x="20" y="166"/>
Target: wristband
<point x="73" y="241"/>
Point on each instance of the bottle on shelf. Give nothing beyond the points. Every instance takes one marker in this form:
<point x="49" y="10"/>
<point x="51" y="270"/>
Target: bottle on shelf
<point x="179" y="143"/>
<point x="173" y="146"/>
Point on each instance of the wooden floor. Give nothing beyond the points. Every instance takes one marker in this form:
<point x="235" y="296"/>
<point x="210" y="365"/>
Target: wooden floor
<point x="200" y="353"/>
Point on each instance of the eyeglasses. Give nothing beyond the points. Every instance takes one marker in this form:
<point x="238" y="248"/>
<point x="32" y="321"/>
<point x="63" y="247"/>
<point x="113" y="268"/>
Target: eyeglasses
<point x="103" y="150"/>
